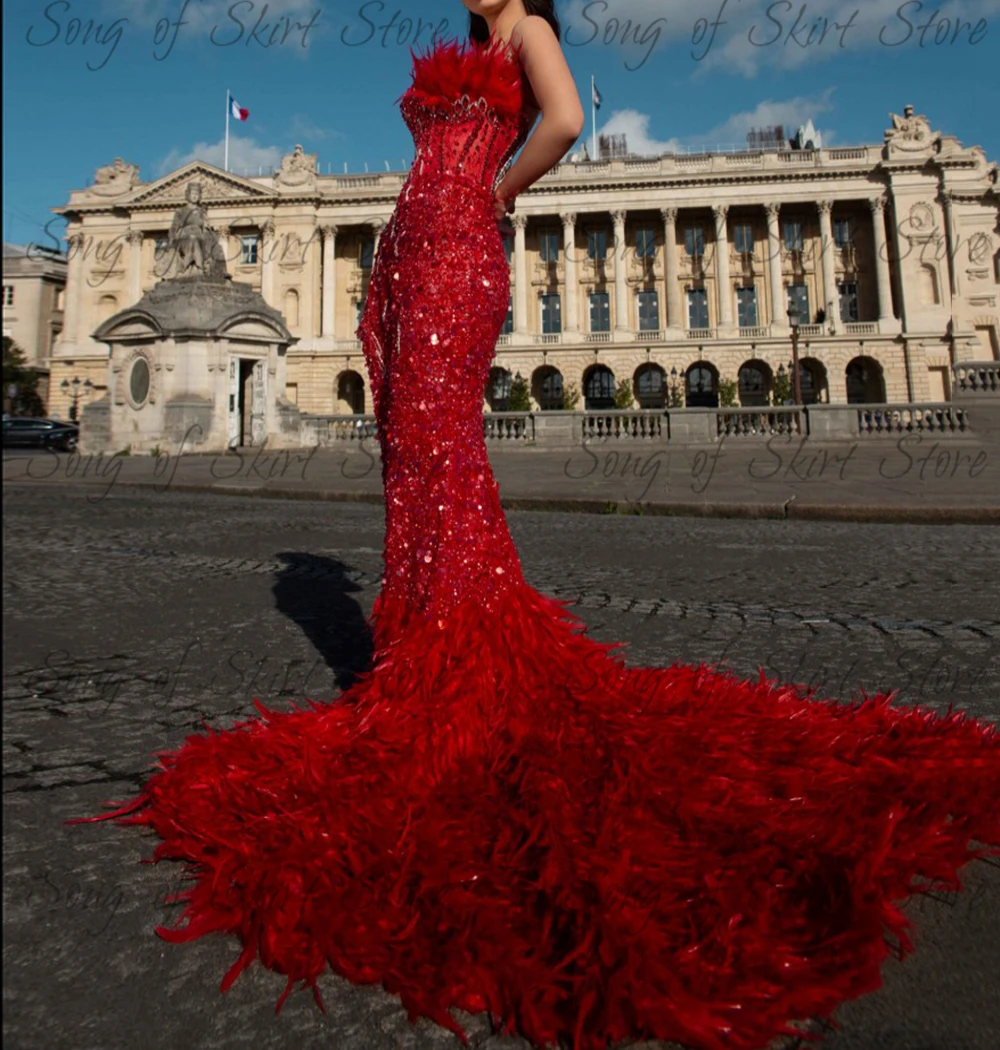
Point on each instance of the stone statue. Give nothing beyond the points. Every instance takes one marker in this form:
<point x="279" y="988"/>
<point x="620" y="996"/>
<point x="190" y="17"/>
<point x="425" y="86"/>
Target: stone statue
<point x="115" y="178"/>
<point x="193" y="243"/>
<point x="297" y="168"/>
<point x="910" y="132"/>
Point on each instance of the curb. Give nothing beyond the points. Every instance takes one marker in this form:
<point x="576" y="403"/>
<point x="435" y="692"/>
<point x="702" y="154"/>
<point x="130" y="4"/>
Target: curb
<point x="789" y="510"/>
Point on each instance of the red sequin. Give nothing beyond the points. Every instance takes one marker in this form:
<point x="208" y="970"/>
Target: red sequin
<point x="501" y="815"/>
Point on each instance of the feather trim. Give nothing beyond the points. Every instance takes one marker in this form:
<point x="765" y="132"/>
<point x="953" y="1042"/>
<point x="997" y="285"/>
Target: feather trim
<point x="453" y="68"/>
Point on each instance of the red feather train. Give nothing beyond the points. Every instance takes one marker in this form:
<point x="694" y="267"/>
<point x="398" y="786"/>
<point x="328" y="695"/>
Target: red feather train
<point x="507" y="818"/>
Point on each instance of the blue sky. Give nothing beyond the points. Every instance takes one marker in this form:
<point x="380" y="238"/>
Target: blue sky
<point x="88" y="80"/>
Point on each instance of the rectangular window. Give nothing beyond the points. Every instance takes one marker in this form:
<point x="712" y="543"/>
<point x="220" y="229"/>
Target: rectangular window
<point x="600" y="312"/>
<point x="8" y="295"/>
<point x="848" y="300"/>
<point x="597" y="244"/>
<point x="793" y="235"/>
<point x="697" y="308"/>
<point x="746" y="306"/>
<point x="248" y="250"/>
<point x="551" y="318"/>
<point x="366" y="253"/>
<point x="508" y="324"/>
<point x="548" y="246"/>
<point x="694" y="240"/>
<point x="842" y="232"/>
<point x="645" y="242"/>
<point x="743" y="238"/>
<point x="649" y="311"/>
<point x="798" y="295"/>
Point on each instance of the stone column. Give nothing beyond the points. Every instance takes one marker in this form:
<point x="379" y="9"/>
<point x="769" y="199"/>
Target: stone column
<point x="570" y="322"/>
<point x="134" y="239"/>
<point x="948" y="199"/>
<point x="831" y="301"/>
<point x="378" y="225"/>
<point x="520" y="223"/>
<point x="877" y="205"/>
<point x="70" y="336"/>
<point x="779" y="301"/>
<point x="621" y="290"/>
<point x="329" y="233"/>
<point x="675" y="316"/>
<point x="725" y="292"/>
<point x="268" y="262"/>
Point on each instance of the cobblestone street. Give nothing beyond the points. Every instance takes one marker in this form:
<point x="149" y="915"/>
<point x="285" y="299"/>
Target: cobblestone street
<point x="131" y="618"/>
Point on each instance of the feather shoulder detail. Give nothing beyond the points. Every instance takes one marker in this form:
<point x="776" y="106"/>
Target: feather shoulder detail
<point x="453" y="68"/>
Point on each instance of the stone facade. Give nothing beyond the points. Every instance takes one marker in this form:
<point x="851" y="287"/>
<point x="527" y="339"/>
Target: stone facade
<point x="34" y="284"/>
<point x="672" y="272"/>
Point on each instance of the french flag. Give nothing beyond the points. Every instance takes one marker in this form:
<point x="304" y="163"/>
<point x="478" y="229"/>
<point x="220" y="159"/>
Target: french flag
<point x="237" y="111"/>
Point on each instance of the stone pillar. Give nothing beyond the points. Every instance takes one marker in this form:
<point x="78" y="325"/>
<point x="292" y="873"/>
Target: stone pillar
<point x="621" y="290"/>
<point x="948" y="199"/>
<point x="134" y="238"/>
<point x="675" y="316"/>
<point x="831" y="301"/>
<point x="268" y="262"/>
<point x="70" y="336"/>
<point x="520" y="223"/>
<point x="378" y="225"/>
<point x="570" y="322"/>
<point x="329" y="233"/>
<point x="779" y="300"/>
<point x="725" y="292"/>
<point x="877" y="205"/>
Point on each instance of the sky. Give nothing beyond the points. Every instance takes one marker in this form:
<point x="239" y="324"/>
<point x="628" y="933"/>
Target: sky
<point x="86" y="81"/>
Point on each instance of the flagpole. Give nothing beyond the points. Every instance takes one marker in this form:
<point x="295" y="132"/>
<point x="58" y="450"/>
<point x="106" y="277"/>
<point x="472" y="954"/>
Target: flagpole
<point x="226" y="162"/>
<point x="593" y="115"/>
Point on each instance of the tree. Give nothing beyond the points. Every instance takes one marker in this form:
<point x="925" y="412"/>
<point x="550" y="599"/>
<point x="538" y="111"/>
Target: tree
<point x="781" y="390"/>
<point x="623" y="394"/>
<point x="728" y="390"/>
<point x="570" y="397"/>
<point x="519" y="399"/>
<point x="16" y="373"/>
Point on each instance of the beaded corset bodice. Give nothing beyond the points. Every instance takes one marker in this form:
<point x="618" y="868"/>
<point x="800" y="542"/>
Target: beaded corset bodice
<point x="469" y="110"/>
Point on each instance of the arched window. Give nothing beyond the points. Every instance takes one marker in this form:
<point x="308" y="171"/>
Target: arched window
<point x="498" y="389"/>
<point x="292" y="308"/>
<point x="754" y="383"/>
<point x="547" y="387"/>
<point x="702" y="386"/>
<point x="865" y="382"/>
<point x="351" y="393"/>
<point x="599" y="388"/>
<point x="651" y="386"/>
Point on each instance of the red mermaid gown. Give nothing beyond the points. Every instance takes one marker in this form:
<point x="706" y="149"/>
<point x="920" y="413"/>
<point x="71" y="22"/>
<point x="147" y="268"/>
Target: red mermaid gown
<point x="501" y="815"/>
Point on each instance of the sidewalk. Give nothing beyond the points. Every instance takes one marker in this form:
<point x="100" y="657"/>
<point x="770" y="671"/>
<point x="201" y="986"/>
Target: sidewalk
<point x="909" y="478"/>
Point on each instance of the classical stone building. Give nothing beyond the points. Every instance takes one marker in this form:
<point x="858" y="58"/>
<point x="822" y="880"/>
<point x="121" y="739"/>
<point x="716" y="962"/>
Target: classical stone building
<point x="673" y="272"/>
<point x="34" y="285"/>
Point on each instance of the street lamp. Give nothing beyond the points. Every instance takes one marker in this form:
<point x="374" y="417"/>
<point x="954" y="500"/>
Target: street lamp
<point x="67" y="387"/>
<point x="794" y="315"/>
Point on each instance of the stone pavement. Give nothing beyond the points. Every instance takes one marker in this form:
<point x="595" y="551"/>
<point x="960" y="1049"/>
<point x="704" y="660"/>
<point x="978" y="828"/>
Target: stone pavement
<point x="132" y="615"/>
<point x="901" y="478"/>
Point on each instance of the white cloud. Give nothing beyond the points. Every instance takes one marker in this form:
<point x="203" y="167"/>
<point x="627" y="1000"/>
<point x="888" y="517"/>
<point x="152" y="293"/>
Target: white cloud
<point x="245" y="156"/>
<point x="730" y="133"/>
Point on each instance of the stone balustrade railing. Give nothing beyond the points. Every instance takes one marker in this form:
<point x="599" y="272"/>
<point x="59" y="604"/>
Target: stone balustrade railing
<point x="696" y="426"/>
<point x="977" y="379"/>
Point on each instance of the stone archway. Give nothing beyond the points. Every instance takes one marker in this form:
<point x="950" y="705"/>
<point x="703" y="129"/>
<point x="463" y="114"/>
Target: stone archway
<point x="754" y="381"/>
<point x="547" y="388"/>
<point x="351" y="392"/>
<point x="865" y="381"/>
<point x="598" y="387"/>
<point x="650" y="383"/>
<point x="701" y="385"/>
<point x="498" y="389"/>
<point x="813" y="380"/>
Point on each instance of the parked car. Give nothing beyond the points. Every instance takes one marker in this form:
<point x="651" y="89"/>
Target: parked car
<point x="21" y="432"/>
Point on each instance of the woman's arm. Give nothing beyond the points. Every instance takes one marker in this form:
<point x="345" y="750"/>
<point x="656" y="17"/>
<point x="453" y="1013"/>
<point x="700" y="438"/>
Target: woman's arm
<point x="562" y="112"/>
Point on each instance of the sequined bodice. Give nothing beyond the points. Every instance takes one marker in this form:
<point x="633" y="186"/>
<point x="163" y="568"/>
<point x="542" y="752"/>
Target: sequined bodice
<point x="468" y="110"/>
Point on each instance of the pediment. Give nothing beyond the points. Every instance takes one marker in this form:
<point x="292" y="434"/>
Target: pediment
<point x="251" y="328"/>
<point x="216" y="185"/>
<point x="128" y="324"/>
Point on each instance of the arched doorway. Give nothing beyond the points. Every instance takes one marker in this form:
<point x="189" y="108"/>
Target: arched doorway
<point x="351" y="393"/>
<point x="701" y="384"/>
<point x="599" y="387"/>
<point x="498" y="389"/>
<point x="547" y="388"/>
<point x="865" y="382"/>
<point x="754" y="382"/>
<point x="651" y="386"/>
<point x="812" y="379"/>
